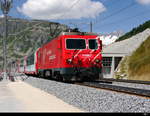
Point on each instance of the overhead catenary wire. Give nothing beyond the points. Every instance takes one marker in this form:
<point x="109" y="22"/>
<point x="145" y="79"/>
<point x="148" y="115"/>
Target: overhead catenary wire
<point x="88" y="23"/>
<point x="28" y="28"/>
<point x="71" y="7"/>
<point x="113" y="14"/>
<point x="118" y="11"/>
<point x="127" y="18"/>
<point x="108" y="6"/>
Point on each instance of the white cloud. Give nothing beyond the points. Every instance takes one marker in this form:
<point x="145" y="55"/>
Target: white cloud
<point x="61" y="9"/>
<point x="1" y="16"/>
<point x="144" y="2"/>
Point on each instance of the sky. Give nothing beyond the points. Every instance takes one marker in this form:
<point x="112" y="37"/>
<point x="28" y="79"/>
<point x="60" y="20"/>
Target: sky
<point x="106" y="15"/>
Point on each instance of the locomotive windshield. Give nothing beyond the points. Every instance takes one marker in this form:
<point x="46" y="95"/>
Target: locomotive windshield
<point x="75" y="44"/>
<point x="93" y="44"/>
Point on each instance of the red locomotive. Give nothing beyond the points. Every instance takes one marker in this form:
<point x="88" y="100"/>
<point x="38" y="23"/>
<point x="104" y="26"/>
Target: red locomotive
<point x="72" y="56"/>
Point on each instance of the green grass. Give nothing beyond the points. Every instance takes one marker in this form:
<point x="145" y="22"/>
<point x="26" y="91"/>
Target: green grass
<point x="139" y="61"/>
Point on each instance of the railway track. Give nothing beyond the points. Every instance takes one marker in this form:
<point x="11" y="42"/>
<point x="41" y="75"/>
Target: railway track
<point x="109" y="86"/>
<point x="92" y="100"/>
<point x="126" y="81"/>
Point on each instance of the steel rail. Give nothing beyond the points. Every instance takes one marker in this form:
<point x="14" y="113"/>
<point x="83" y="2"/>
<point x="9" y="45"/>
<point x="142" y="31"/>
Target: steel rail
<point x="117" y="88"/>
<point x="126" y="81"/>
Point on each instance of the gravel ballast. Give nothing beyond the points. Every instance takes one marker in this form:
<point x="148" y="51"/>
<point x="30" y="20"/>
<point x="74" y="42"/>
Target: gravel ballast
<point x="91" y="99"/>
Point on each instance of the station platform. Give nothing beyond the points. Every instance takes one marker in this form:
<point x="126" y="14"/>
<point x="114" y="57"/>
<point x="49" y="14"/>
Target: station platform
<point x="22" y="97"/>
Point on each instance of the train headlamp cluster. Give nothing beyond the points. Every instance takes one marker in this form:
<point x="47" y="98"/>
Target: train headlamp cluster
<point x="97" y="61"/>
<point x="69" y="61"/>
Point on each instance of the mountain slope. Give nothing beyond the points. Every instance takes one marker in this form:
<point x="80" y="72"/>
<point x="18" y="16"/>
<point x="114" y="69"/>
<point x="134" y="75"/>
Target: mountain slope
<point x="25" y="36"/>
<point x="137" y="65"/>
<point x="139" y="62"/>
<point x="135" y="31"/>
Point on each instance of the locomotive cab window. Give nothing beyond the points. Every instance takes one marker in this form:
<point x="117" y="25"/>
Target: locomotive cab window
<point x="75" y="44"/>
<point x="93" y="44"/>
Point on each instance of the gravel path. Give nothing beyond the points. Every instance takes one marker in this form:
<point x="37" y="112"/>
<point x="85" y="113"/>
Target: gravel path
<point x="91" y="99"/>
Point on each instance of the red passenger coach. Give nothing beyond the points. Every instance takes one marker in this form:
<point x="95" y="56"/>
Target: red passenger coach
<point x="31" y="64"/>
<point x="28" y="64"/>
<point x="71" y="56"/>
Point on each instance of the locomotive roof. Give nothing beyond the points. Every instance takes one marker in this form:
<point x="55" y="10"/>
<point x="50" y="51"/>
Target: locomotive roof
<point x="77" y="33"/>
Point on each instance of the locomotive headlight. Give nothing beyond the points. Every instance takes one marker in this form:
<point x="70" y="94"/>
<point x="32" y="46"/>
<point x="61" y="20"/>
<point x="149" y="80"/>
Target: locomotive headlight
<point x="97" y="61"/>
<point x="69" y="61"/>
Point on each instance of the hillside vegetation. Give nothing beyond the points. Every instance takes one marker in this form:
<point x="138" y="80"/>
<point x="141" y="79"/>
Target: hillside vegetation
<point x="135" y="31"/>
<point x="139" y="62"/>
<point x="25" y="36"/>
<point x="136" y="66"/>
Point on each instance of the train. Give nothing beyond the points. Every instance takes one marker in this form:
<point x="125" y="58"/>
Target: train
<point x="72" y="56"/>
